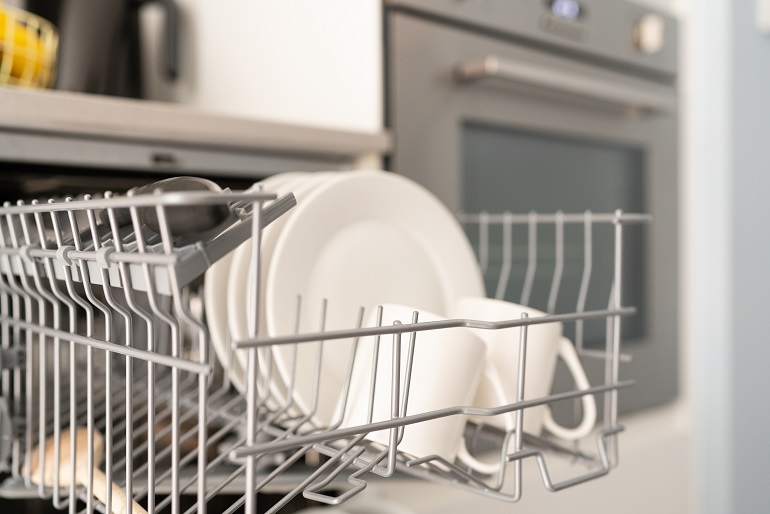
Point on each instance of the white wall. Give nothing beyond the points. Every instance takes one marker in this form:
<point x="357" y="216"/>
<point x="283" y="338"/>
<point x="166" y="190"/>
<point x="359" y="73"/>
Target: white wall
<point x="750" y="244"/>
<point x="730" y="249"/>
<point x="725" y="90"/>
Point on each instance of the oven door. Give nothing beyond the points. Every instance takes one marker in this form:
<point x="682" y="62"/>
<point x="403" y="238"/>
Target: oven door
<point x="487" y="124"/>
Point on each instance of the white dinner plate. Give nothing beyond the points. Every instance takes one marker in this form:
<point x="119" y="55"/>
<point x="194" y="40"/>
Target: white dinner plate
<point x="216" y="301"/>
<point x="240" y="276"/>
<point x="360" y="238"/>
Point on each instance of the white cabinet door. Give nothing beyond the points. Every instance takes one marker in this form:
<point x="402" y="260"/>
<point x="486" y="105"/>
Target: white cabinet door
<point x="304" y="61"/>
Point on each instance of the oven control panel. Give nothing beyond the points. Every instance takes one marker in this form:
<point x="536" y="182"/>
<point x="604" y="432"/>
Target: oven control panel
<point x="650" y="34"/>
<point x="566" y="9"/>
<point x="615" y="30"/>
<point x="565" y="18"/>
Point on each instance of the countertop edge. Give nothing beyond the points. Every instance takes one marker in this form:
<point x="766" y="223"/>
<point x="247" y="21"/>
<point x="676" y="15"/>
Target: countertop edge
<point x="84" y="115"/>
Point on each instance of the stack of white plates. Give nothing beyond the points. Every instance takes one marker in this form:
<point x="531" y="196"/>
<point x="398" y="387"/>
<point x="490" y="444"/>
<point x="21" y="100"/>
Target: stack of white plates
<point x="355" y="239"/>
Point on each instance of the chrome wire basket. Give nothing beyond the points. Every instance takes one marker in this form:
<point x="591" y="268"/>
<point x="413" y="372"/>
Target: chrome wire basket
<point x="112" y="396"/>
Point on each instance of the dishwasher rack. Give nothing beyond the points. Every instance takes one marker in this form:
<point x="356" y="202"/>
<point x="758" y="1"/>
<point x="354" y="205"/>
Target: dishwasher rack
<point x="105" y="357"/>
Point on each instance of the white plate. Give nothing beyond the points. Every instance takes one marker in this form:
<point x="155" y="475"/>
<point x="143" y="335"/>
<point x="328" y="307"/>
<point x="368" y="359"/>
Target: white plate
<point x="360" y="238"/>
<point x="238" y="281"/>
<point x="240" y="276"/>
<point x="215" y="303"/>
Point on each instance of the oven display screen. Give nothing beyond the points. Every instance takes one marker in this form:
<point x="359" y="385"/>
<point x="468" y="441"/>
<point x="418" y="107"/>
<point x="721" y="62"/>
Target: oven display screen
<point x="566" y="9"/>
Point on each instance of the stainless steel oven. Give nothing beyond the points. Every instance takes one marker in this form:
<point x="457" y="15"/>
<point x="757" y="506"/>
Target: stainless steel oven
<point x="548" y="105"/>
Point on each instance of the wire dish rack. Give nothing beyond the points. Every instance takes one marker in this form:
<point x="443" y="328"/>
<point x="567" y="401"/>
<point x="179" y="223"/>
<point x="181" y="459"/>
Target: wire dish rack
<point x="112" y="397"/>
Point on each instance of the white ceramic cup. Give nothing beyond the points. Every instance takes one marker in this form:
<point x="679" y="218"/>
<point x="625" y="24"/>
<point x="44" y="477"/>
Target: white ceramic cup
<point x="498" y="385"/>
<point x="446" y="367"/>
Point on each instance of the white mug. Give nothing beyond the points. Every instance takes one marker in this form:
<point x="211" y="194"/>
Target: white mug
<point x="446" y="367"/>
<point x="498" y="386"/>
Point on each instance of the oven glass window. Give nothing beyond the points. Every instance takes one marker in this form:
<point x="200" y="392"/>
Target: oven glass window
<point x="522" y="171"/>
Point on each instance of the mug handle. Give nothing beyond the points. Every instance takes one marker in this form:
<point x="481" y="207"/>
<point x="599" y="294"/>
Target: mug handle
<point x="492" y="378"/>
<point x="570" y="357"/>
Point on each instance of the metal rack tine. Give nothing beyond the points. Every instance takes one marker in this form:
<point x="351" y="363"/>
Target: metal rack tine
<point x="529" y="278"/>
<point x="585" y="278"/>
<point x="505" y="271"/>
<point x="558" y="271"/>
<point x="483" y="241"/>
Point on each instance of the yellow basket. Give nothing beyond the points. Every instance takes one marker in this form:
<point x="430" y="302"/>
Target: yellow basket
<point x="27" y="49"/>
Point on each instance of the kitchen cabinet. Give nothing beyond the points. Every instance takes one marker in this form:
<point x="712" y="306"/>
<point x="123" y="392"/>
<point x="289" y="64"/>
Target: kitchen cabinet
<point x="301" y="62"/>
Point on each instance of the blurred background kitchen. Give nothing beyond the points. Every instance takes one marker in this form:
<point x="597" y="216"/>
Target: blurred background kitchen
<point x="311" y="85"/>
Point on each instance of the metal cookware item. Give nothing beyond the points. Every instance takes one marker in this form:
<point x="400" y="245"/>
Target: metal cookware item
<point x="184" y="220"/>
<point x="100" y="44"/>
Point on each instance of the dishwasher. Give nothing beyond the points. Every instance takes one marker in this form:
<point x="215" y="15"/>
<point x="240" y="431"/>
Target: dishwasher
<point x="113" y="400"/>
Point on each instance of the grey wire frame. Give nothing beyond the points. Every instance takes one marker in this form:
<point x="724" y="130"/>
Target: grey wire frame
<point x="102" y="328"/>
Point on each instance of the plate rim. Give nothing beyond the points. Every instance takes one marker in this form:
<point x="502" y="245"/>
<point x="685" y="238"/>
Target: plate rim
<point x="270" y="280"/>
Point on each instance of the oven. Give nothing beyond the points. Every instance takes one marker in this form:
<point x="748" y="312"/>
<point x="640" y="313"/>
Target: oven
<point x="542" y="106"/>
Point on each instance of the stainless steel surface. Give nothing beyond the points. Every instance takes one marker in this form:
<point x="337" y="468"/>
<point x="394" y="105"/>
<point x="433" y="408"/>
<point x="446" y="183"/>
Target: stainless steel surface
<point x="551" y="127"/>
<point x="187" y="262"/>
<point x="183" y="221"/>
<point x="100" y="45"/>
<point x="623" y="96"/>
<point x="137" y="368"/>
<point x="592" y="30"/>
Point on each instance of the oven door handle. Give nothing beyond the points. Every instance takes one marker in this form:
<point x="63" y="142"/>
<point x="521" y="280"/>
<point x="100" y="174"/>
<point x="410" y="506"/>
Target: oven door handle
<point x="622" y="95"/>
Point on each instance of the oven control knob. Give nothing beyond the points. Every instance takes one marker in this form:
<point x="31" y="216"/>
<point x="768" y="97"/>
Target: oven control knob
<point x="650" y="34"/>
